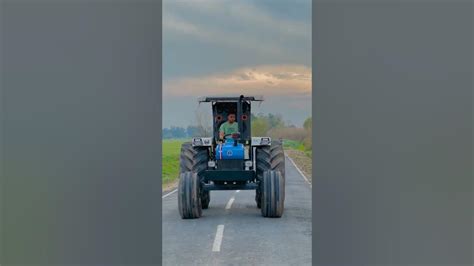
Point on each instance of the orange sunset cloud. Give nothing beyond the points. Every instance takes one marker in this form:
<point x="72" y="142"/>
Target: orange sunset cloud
<point x="270" y="80"/>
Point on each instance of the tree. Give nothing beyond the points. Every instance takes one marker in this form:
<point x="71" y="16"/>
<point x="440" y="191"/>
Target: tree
<point x="192" y="131"/>
<point x="167" y="133"/>
<point x="308" y="123"/>
<point x="178" y="132"/>
<point x="260" y="126"/>
<point x="275" y="121"/>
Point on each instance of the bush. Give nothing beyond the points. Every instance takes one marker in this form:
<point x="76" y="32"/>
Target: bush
<point x="308" y="123"/>
<point x="260" y="126"/>
<point x="308" y="143"/>
<point x="297" y="134"/>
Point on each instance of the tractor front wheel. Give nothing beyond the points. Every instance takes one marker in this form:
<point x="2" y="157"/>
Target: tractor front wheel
<point x="269" y="158"/>
<point x="272" y="194"/>
<point x="189" y="196"/>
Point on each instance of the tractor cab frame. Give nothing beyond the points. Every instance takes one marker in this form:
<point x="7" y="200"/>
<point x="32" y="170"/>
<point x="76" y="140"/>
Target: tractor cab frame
<point x="232" y="173"/>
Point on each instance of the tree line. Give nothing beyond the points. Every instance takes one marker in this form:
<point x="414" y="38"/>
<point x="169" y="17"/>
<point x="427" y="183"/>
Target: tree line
<point x="181" y="132"/>
<point x="274" y="126"/>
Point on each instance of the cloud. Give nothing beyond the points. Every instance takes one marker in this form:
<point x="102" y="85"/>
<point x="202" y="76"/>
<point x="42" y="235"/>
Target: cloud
<point x="240" y="25"/>
<point x="243" y="13"/>
<point x="271" y="80"/>
<point x="251" y="15"/>
<point x="174" y="25"/>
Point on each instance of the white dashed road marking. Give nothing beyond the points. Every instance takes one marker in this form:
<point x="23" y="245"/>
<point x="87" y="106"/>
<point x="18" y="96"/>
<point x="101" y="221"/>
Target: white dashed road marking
<point x="169" y="193"/>
<point x="229" y="204"/>
<point x="216" y="247"/>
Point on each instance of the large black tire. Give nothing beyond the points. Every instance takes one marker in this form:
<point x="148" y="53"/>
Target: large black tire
<point x="194" y="159"/>
<point x="273" y="194"/>
<point x="269" y="158"/>
<point x="189" y="198"/>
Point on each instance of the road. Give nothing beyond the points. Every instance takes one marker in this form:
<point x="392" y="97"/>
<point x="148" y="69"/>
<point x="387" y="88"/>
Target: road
<point x="233" y="232"/>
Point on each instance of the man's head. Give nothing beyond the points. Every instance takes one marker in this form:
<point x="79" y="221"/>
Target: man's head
<point x="231" y="118"/>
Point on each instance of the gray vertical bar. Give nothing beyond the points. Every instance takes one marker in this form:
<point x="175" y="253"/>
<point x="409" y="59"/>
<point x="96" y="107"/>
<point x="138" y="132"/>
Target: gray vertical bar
<point x="392" y="90"/>
<point x="2" y="136"/>
<point x="81" y="132"/>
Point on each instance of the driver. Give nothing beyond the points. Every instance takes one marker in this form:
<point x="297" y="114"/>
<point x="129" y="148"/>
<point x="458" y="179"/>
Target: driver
<point x="228" y="127"/>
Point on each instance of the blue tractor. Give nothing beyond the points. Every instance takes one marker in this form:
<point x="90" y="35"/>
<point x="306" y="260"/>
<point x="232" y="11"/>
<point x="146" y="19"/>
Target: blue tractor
<point x="239" y="162"/>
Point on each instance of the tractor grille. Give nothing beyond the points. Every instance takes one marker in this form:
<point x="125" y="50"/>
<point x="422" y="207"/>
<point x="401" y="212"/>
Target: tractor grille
<point x="230" y="165"/>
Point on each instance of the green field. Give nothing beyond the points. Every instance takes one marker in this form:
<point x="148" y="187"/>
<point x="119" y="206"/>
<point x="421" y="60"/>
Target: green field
<point x="170" y="163"/>
<point x="296" y="145"/>
<point x="292" y="144"/>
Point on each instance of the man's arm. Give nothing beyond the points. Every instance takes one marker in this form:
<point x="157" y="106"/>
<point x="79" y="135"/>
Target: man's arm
<point x="221" y="131"/>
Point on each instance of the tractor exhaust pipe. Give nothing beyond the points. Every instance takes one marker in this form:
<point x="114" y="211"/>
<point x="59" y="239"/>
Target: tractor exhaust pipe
<point x="239" y="113"/>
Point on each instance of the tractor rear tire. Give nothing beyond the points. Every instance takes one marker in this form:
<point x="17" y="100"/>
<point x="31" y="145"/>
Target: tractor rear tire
<point x="194" y="159"/>
<point x="273" y="194"/>
<point x="269" y="158"/>
<point x="189" y="196"/>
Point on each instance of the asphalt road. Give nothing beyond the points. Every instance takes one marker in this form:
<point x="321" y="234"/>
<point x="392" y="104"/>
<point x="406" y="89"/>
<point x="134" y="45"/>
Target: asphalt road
<point x="233" y="232"/>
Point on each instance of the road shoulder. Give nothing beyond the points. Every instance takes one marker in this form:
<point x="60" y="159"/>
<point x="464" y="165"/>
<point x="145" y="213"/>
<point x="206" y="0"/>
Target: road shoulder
<point x="168" y="187"/>
<point x="302" y="161"/>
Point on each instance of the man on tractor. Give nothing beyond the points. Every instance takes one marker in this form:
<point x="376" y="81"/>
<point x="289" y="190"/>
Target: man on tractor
<point x="228" y="127"/>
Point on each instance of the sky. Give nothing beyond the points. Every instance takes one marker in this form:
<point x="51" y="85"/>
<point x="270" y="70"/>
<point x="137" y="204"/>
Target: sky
<point x="234" y="47"/>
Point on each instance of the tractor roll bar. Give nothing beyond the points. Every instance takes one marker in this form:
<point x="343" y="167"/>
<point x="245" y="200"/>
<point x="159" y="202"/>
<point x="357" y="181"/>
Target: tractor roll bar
<point x="239" y="113"/>
<point x="230" y="99"/>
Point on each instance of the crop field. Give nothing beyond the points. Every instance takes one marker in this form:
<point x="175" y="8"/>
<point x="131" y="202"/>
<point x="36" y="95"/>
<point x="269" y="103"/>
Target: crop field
<point x="293" y="144"/>
<point x="171" y="149"/>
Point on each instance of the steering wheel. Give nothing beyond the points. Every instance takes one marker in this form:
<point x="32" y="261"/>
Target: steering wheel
<point x="234" y="135"/>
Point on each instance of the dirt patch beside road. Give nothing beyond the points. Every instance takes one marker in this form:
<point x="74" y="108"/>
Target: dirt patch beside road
<point x="303" y="162"/>
<point x="168" y="187"/>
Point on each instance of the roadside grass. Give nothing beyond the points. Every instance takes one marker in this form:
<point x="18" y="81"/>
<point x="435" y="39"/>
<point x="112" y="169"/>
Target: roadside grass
<point x="301" y="156"/>
<point x="296" y="145"/>
<point x="170" y="162"/>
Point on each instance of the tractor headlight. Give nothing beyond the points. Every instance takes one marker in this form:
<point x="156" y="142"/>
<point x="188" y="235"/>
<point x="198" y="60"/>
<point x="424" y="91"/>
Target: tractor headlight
<point x="248" y="163"/>
<point x="207" y="142"/>
<point x="211" y="164"/>
<point x="265" y="141"/>
<point x="261" y="141"/>
<point x="197" y="142"/>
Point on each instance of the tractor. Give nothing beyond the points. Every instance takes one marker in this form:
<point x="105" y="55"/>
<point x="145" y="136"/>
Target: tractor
<point x="236" y="162"/>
